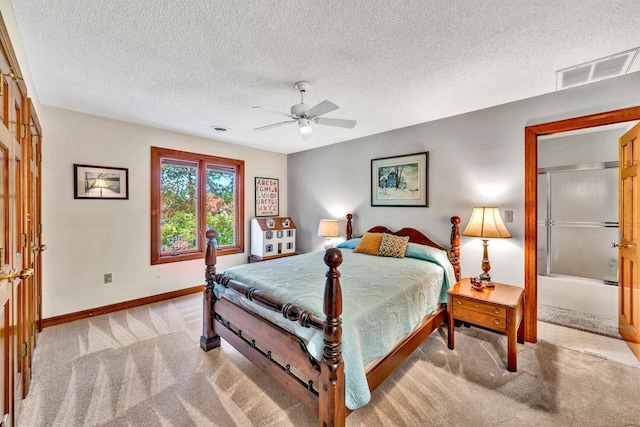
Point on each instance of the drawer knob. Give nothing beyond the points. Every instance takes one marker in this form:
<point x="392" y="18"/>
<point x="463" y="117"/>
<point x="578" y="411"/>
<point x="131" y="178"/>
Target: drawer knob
<point x="459" y="302"/>
<point x="497" y="322"/>
<point x="476" y="305"/>
<point x="496" y="311"/>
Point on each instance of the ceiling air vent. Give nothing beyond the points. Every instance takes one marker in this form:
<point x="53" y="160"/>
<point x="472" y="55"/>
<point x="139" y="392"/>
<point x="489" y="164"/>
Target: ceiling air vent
<point x="599" y="69"/>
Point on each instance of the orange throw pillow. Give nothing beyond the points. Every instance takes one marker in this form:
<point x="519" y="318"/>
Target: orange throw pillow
<point x="369" y="244"/>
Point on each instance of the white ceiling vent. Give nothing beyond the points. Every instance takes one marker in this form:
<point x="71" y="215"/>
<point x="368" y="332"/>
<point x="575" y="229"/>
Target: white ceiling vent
<point x="603" y="68"/>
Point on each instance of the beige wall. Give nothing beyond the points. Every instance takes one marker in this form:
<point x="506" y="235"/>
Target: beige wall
<point x="87" y="238"/>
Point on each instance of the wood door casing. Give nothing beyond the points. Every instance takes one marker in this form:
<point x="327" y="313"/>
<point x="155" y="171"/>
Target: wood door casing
<point x="531" y="134"/>
<point x="629" y="221"/>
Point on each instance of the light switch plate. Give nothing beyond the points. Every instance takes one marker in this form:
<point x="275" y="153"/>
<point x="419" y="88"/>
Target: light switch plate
<point x="508" y="216"/>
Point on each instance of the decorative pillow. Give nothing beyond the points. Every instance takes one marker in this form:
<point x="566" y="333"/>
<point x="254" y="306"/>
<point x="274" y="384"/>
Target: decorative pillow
<point x="393" y="246"/>
<point x="349" y="244"/>
<point x="369" y="244"/>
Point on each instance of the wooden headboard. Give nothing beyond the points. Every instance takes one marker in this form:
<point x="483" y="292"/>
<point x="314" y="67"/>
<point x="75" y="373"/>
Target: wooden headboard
<point x="416" y="236"/>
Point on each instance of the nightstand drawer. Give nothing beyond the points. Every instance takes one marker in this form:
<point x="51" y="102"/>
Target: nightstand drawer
<point x="480" y="307"/>
<point x="495" y="323"/>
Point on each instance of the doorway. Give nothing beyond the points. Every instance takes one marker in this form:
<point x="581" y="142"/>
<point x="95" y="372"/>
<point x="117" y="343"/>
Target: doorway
<point x="577" y="222"/>
<point x="531" y="193"/>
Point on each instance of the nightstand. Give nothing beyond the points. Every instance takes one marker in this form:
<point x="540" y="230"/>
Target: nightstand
<point x="499" y="309"/>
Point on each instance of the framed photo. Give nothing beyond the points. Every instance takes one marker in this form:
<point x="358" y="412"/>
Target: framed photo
<point x="400" y="180"/>
<point x="267" y="197"/>
<point x="100" y="182"/>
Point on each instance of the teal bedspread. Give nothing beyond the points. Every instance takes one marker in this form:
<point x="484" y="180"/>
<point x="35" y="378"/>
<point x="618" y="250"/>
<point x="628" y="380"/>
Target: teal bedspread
<point x="383" y="299"/>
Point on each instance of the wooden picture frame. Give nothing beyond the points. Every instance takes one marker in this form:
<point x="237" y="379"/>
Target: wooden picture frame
<point x="100" y="182"/>
<point x="267" y="197"/>
<point x="400" y="180"/>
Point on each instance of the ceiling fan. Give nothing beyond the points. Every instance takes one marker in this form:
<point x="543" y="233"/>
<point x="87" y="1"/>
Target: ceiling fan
<point x="304" y="116"/>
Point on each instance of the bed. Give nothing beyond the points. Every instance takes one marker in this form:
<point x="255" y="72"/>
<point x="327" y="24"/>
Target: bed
<point x="288" y="320"/>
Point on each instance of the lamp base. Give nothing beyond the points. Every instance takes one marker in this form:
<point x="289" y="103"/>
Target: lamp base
<point x="485" y="277"/>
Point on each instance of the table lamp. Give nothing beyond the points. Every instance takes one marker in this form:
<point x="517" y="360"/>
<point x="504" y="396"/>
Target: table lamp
<point x="328" y="228"/>
<point x="486" y="223"/>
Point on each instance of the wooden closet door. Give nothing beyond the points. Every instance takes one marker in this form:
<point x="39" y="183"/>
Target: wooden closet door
<point x="19" y="232"/>
<point x="7" y="349"/>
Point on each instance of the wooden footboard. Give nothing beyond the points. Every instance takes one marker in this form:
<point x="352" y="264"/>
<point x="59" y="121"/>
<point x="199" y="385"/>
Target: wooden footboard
<point x="319" y="385"/>
<point x="324" y="391"/>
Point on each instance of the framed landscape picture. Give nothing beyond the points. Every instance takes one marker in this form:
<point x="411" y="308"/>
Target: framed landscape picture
<point x="267" y="197"/>
<point x="100" y="182"/>
<point x="400" y="180"/>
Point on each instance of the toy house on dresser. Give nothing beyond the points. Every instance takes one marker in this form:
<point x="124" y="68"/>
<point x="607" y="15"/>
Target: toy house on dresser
<point x="272" y="238"/>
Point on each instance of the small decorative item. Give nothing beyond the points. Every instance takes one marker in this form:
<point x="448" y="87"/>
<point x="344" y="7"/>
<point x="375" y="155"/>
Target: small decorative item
<point x="400" y="180"/>
<point x="477" y="284"/>
<point x="267" y="197"/>
<point x="100" y="182"/>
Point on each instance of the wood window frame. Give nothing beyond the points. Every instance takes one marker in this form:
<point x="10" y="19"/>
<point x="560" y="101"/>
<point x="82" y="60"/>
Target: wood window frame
<point x="157" y="154"/>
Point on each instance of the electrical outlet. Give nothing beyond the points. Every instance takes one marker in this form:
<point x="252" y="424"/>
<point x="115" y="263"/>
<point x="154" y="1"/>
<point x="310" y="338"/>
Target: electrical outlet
<point x="108" y="278"/>
<point x="508" y="216"/>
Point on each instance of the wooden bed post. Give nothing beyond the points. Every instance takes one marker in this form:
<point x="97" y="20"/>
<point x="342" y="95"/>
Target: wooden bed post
<point x="209" y="338"/>
<point x="349" y="227"/>
<point x="455" y="245"/>
<point x="332" y="380"/>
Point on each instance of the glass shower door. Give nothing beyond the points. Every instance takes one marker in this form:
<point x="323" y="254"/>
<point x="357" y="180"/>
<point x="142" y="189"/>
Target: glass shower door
<point x="578" y="219"/>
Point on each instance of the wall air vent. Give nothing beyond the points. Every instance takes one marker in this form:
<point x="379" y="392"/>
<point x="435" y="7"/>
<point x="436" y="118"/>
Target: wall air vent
<point x="603" y="68"/>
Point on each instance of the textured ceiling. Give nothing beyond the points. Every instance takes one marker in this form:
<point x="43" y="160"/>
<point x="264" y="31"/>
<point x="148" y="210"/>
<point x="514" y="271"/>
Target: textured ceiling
<point x="188" y="65"/>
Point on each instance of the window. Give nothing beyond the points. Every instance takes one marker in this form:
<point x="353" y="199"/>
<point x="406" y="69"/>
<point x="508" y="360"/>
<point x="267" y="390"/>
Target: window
<point x="191" y="193"/>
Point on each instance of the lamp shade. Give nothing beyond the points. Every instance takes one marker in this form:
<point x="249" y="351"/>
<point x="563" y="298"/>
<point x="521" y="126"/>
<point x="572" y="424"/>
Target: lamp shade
<point x="486" y="222"/>
<point x="328" y="228"/>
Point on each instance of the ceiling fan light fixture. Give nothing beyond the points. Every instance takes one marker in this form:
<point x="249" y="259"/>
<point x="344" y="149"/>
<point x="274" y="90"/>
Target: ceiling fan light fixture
<point x="305" y="126"/>
<point x="303" y="115"/>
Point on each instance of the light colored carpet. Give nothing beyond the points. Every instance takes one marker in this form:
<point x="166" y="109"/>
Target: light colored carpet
<point x="578" y="320"/>
<point x="144" y="367"/>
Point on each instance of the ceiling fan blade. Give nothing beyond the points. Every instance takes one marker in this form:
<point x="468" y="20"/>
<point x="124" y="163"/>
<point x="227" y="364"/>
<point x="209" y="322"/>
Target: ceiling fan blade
<point x="343" y="123"/>
<point x="280" y="113"/>
<point x="323" y="108"/>
<point x="275" y="125"/>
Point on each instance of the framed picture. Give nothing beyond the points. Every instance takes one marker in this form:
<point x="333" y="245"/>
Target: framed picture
<point x="267" y="197"/>
<point x="400" y="180"/>
<point x="100" y="182"/>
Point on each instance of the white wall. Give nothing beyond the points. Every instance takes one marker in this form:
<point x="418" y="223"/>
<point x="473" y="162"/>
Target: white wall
<point x="474" y="159"/>
<point x="87" y="238"/>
